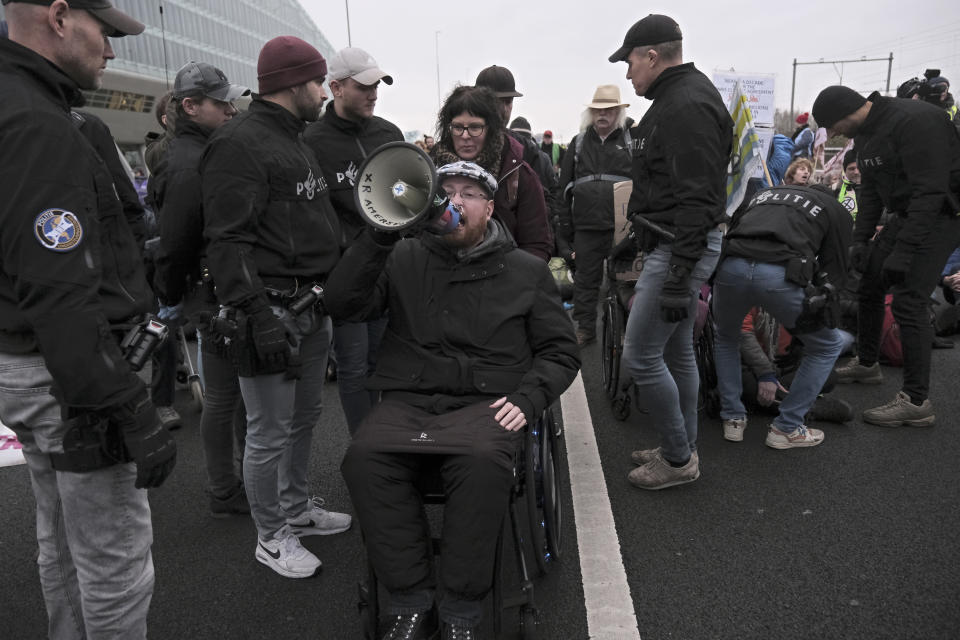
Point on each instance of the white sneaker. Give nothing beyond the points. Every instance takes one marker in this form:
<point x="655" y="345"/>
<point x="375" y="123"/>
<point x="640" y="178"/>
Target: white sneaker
<point x="285" y="555"/>
<point x="802" y="436"/>
<point x="317" y="521"/>
<point x="733" y="429"/>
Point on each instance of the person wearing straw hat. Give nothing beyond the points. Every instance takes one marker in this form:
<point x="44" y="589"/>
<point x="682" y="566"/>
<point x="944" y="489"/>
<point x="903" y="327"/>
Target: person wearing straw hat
<point x="599" y="157"/>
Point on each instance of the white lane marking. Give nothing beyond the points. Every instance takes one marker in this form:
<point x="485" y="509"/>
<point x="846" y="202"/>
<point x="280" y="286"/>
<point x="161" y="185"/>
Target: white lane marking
<point x="610" y="613"/>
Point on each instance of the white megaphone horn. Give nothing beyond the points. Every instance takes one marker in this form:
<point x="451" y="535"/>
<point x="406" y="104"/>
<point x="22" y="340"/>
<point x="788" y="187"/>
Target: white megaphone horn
<point x="396" y="186"/>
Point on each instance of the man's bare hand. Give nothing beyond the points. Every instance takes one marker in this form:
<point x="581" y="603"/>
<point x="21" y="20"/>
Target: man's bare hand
<point x="509" y="415"/>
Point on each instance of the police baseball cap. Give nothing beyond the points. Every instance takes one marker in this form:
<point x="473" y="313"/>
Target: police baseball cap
<point x="200" y="77"/>
<point x="102" y="10"/>
<point x="354" y="62"/>
<point x="654" y="29"/>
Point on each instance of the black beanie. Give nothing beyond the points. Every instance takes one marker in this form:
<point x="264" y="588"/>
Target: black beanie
<point x="848" y="158"/>
<point x="836" y="103"/>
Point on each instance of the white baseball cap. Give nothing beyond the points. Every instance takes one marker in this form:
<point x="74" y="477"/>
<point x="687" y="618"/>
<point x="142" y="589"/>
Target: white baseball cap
<point x="353" y="62"/>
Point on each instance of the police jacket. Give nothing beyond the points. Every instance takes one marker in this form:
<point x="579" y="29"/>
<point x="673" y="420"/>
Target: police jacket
<point x="69" y="264"/>
<point x="267" y="212"/>
<point x="179" y="199"/>
<point x="589" y="171"/>
<point x="341" y="146"/>
<point x="909" y="160"/>
<point x="786" y="223"/>
<point x="461" y="327"/>
<point x="681" y="151"/>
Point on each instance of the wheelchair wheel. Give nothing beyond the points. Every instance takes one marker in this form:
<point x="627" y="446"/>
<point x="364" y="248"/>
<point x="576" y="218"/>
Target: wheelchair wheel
<point x="542" y="491"/>
<point x="196" y="392"/>
<point x="611" y="345"/>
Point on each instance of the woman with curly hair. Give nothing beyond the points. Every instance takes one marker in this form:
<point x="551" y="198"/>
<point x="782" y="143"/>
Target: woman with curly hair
<point x="469" y="127"/>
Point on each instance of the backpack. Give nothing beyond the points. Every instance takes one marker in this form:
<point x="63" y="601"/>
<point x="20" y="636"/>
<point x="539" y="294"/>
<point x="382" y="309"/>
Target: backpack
<point x="891" y="351"/>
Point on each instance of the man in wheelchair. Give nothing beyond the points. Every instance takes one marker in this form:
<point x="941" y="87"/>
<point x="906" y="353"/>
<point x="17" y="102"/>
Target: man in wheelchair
<point x="477" y="345"/>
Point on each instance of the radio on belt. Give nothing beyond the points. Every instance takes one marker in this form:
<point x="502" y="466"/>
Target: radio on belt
<point x="141" y="341"/>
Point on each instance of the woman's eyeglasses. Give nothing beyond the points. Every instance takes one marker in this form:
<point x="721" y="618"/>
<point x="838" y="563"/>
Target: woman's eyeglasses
<point x="473" y="130"/>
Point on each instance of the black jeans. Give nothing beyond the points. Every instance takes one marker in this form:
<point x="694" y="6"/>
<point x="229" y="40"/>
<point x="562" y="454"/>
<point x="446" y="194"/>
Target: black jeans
<point x="911" y="300"/>
<point x="592" y="247"/>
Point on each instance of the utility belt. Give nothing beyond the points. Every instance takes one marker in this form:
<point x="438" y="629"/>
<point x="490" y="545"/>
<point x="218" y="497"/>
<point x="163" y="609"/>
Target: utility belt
<point x="648" y="235"/>
<point x="601" y="177"/>
<point x="294" y="294"/>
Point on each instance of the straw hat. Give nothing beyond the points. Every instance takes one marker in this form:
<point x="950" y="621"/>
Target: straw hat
<point x="606" y="96"/>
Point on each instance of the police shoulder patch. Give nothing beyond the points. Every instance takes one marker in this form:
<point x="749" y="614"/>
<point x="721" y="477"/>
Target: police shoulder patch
<point x="58" y="230"/>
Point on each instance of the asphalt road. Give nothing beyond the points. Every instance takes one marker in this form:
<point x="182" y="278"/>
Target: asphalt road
<point x="852" y="539"/>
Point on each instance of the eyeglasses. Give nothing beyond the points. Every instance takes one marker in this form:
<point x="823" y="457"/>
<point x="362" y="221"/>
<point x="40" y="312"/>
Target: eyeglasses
<point x="473" y="130"/>
<point x="467" y="196"/>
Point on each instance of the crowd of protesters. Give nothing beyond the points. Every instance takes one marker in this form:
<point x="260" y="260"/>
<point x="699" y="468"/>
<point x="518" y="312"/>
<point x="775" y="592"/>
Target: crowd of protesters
<point x="449" y="336"/>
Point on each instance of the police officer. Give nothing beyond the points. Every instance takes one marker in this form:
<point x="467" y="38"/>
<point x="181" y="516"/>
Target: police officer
<point x="909" y="160"/>
<point x="69" y="268"/>
<point x="786" y="252"/>
<point x="681" y="151"/>
<point x="599" y="157"/>
<point x="341" y="140"/>
<point x="273" y="235"/>
<point x="203" y="99"/>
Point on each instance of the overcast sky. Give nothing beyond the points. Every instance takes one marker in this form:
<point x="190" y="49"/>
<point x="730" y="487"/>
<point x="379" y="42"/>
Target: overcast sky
<point x="558" y="49"/>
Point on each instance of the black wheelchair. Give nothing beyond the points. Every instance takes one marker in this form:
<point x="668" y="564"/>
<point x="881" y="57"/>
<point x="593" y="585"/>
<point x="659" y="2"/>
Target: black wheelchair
<point x="622" y="269"/>
<point x="534" y="521"/>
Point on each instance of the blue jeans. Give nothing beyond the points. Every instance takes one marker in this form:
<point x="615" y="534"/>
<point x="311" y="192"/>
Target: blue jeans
<point x="281" y="415"/>
<point x="356" y="345"/>
<point x="741" y="284"/>
<point x="93" y="529"/>
<point x="659" y="355"/>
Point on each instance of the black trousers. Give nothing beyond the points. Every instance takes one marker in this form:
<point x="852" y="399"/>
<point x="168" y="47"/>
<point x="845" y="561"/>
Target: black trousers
<point x="592" y="247"/>
<point x="911" y="300"/>
<point x="382" y="469"/>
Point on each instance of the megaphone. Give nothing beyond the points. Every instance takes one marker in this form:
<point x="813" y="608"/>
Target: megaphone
<point x="397" y="187"/>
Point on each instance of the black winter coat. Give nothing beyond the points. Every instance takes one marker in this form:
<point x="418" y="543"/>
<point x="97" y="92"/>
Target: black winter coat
<point x="460" y="330"/>
<point x="590" y="203"/>
<point x="909" y="160"/>
<point x="266" y="205"/>
<point x="793" y="222"/>
<point x="69" y="263"/>
<point x="341" y="146"/>
<point x="179" y="199"/>
<point x="681" y="150"/>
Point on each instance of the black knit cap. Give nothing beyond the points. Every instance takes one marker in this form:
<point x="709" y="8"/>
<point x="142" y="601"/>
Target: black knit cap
<point x="836" y="103"/>
<point x="849" y="158"/>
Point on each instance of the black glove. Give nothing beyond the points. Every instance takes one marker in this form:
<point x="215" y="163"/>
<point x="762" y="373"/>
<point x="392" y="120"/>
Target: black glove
<point x="149" y="444"/>
<point x="895" y="268"/>
<point x="858" y="254"/>
<point x="675" y="296"/>
<point x="270" y="339"/>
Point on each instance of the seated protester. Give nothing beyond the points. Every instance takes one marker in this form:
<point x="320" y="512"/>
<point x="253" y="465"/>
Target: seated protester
<point x="777" y="254"/>
<point x="477" y="346"/>
<point x="799" y="172"/>
<point x="770" y="357"/>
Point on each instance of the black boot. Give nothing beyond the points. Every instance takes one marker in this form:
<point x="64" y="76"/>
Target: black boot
<point x="412" y="626"/>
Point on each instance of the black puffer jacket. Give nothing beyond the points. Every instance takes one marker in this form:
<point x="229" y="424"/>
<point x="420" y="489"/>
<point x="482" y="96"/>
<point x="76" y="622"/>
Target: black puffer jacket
<point x="266" y="205"/>
<point x="69" y="264"/>
<point x="909" y="160"/>
<point x="460" y="329"/>
<point x="341" y="146"/>
<point x="681" y="151"/>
